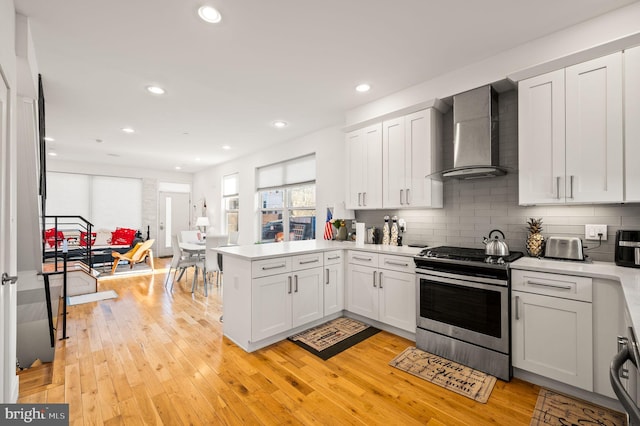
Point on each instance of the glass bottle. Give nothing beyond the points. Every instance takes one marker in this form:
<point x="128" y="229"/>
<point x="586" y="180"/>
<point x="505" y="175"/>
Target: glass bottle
<point x="385" y="231"/>
<point x="394" y="231"/>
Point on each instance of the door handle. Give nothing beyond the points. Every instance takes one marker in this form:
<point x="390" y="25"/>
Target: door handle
<point x="401" y="194"/>
<point x="8" y="279"/>
<point x="295" y="280"/>
<point x="571" y="186"/>
<point x="380" y="280"/>
<point x="289" y="279"/>
<point x="374" y="278"/>
<point x="517" y="309"/>
<point x="327" y="283"/>
<point x="364" y="199"/>
<point x="359" y="197"/>
<point x="557" y="187"/>
<point x="407" y="197"/>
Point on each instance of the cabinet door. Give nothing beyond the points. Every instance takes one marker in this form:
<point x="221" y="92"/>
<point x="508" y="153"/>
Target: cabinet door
<point x="372" y="163"/>
<point x="362" y="293"/>
<point x="553" y="337"/>
<point x="594" y="130"/>
<point x="307" y="296"/>
<point x="271" y="305"/>
<point x="397" y="293"/>
<point x="394" y="163"/>
<point x="333" y="289"/>
<point x="632" y="123"/>
<point x="423" y="156"/>
<point x="541" y="139"/>
<point x="355" y="183"/>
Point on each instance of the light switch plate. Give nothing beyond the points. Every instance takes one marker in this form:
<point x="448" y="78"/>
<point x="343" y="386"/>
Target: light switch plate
<point x="591" y="232"/>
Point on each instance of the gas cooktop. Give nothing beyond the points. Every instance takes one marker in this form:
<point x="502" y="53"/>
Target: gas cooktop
<point x="466" y="255"/>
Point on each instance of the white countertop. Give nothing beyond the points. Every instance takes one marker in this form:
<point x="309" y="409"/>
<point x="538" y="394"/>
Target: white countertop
<point x="629" y="278"/>
<point x="265" y="251"/>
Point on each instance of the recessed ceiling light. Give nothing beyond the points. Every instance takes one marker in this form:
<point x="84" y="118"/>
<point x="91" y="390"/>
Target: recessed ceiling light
<point x="226" y="147"/>
<point x="155" y="90"/>
<point x="198" y="159"/>
<point x="48" y="139"/>
<point x="364" y="87"/>
<point x="128" y="130"/>
<point x="209" y="14"/>
<point x="280" y="124"/>
<point x="178" y="168"/>
<point x="53" y="154"/>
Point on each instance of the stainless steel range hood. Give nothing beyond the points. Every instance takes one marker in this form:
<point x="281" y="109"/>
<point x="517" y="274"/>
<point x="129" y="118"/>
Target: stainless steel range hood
<point x="475" y="144"/>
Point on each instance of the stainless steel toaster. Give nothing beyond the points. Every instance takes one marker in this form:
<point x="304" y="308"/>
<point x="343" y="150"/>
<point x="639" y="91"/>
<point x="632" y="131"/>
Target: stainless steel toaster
<point x="567" y="248"/>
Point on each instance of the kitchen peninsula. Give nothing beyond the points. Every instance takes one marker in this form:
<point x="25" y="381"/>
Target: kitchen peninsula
<point x="272" y="291"/>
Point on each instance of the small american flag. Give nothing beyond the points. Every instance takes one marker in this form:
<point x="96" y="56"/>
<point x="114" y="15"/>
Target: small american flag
<point x="328" y="228"/>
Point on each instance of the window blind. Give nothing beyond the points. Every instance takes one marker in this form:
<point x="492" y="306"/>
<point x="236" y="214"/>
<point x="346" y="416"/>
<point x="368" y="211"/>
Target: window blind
<point x="230" y="185"/>
<point x="295" y="171"/>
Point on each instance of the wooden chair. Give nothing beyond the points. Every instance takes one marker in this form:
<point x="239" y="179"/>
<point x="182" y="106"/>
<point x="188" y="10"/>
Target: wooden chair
<point x="139" y="253"/>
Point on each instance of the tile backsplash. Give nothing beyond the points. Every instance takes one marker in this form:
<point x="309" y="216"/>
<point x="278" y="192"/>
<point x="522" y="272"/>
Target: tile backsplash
<point x="472" y="208"/>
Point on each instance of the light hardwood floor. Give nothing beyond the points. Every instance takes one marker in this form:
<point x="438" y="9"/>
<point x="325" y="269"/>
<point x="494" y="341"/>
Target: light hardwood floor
<point x="154" y="357"/>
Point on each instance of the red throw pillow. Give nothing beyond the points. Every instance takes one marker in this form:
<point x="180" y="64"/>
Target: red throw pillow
<point x="83" y="238"/>
<point x="123" y="236"/>
<point x="50" y="237"/>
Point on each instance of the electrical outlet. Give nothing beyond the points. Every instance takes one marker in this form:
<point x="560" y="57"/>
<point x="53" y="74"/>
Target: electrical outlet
<point x="591" y="232"/>
<point x="403" y="224"/>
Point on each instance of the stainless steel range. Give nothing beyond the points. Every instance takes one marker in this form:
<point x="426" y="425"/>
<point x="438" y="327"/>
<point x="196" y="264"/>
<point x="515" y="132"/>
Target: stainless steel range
<point x="463" y="309"/>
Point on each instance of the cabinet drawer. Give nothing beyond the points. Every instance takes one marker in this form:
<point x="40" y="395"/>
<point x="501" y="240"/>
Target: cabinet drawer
<point x="306" y="261"/>
<point x="266" y="267"/>
<point x="363" y="258"/>
<point x="397" y="263"/>
<point x="333" y="257"/>
<point x="558" y="285"/>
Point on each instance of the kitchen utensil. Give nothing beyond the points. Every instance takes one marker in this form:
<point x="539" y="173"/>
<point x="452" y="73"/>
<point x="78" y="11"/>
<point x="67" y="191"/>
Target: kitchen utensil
<point x="495" y="247"/>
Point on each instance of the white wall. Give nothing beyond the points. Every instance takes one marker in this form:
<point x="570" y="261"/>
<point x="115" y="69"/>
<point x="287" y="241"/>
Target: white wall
<point x="328" y="145"/>
<point x="150" y="181"/>
<point x="621" y="23"/>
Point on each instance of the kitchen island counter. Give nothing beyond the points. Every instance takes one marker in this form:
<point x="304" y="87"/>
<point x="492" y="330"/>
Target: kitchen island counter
<point x="271" y="250"/>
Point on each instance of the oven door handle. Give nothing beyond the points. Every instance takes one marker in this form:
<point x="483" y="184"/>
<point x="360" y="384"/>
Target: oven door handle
<point x="625" y="399"/>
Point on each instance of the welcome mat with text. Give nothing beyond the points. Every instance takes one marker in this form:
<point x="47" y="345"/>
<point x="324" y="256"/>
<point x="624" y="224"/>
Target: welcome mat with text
<point x="450" y="375"/>
<point x="333" y="337"/>
<point x="553" y="408"/>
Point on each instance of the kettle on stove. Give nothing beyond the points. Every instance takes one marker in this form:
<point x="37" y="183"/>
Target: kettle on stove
<point x="495" y="247"/>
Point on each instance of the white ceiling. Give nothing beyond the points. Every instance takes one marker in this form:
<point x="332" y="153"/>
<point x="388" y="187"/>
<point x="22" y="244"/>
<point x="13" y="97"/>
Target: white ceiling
<point x="291" y="60"/>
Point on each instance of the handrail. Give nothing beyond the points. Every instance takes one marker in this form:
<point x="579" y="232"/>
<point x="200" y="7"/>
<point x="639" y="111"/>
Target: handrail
<point x="65" y="221"/>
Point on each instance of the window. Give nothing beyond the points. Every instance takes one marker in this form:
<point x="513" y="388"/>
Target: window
<point x="287" y="195"/>
<point x="231" y="199"/>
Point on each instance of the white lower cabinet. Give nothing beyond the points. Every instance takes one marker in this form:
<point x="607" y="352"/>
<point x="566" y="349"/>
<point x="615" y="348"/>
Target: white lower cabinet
<point x="552" y="326"/>
<point x="333" y="282"/>
<point x="384" y="294"/>
<point x="286" y="300"/>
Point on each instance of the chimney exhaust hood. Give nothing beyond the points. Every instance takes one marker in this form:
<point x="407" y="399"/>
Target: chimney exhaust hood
<point x="475" y="144"/>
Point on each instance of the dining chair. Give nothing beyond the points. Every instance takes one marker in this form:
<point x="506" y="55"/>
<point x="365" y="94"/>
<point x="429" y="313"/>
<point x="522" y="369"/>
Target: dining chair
<point x="211" y="263"/>
<point x="190" y="236"/>
<point x="179" y="262"/>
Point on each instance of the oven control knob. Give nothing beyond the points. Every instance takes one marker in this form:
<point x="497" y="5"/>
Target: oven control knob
<point x="500" y="261"/>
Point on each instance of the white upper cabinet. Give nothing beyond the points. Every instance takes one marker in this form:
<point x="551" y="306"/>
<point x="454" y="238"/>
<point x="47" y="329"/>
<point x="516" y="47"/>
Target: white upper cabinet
<point x="541" y="143"/>
<point x="364" y="147"/>
<point x="594" y="131"/>
<point x="632" y="123"/>
<point x="570" y="134"/>
<point x="411" y="152"/>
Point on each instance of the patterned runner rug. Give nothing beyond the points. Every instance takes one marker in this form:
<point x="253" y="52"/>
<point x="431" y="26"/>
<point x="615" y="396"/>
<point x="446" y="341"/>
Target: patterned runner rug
<point x="450" y="375"/>
<point x="554" y="408"/>
<point x="333" y="337"/>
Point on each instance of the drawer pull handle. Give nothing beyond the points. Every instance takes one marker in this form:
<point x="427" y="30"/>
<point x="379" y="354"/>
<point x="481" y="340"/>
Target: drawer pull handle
<point x="560" y="287"/>
<point x="366" y="259"/>
<point x="391" y="262"/>
<point x="266" y="268"/>
<point x="333" y="257"/>
<point x="304" y="262"/>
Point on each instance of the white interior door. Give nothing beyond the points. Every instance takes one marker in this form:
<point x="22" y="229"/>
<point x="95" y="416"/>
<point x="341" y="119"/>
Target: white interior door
<point x="173" y="211"/>
<point x="8" y="260"/>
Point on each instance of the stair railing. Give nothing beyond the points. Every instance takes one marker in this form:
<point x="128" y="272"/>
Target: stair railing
<point x="75" y="224"/>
